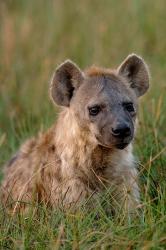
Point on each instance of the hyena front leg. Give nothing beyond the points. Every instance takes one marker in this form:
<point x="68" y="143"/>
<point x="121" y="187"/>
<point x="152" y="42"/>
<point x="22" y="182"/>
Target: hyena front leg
<point x="126" y="193"/>
<point x="70" y="193"/>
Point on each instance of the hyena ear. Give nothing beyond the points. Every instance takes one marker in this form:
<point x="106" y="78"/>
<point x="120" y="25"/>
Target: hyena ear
<point x="67" y="78"/>
<point x="135" y="70"/>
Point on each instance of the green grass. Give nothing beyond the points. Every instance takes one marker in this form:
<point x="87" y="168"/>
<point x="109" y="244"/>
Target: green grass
<point x="34" y="37"/>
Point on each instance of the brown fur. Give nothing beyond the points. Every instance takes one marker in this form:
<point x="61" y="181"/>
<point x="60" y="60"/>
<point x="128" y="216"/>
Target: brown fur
<point x="65" y="165"/>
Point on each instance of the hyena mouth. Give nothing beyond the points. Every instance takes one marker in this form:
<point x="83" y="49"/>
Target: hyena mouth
<point x="122" y="145"/>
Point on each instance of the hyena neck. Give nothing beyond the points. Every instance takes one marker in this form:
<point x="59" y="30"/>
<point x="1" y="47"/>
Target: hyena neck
<point x="75" y="148"/>
<point x="77" y="151"/>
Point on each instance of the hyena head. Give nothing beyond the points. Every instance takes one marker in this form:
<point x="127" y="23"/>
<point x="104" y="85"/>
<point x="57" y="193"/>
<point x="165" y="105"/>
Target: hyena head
<point x="104" y="101"/>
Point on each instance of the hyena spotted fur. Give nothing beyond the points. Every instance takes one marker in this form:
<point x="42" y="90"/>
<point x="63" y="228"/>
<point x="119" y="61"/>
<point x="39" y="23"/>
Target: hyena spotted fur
<point x="89" y="148"/>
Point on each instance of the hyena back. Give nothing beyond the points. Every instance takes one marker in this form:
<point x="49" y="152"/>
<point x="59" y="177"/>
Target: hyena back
<point x="90" y="146"/>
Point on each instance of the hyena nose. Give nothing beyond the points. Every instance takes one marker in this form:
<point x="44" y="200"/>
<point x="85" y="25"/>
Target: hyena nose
<point x="123" y="130"/>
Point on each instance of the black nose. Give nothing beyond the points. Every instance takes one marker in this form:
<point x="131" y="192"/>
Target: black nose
<point x="121" y="131"/>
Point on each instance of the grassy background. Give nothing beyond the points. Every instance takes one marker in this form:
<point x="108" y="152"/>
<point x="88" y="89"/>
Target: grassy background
<point x="35" y="36"/>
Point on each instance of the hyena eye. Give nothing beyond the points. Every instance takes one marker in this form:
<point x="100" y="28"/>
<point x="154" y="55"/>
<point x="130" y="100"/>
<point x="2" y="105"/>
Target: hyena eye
<point x="129" y="107"/>
<point x="94" y="110"/>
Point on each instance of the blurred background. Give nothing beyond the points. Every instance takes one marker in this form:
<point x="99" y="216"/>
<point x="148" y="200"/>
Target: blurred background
<point x="35" y="36"/>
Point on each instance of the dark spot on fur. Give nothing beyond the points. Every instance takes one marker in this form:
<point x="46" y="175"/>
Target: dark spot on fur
<point x="51" y="148"/>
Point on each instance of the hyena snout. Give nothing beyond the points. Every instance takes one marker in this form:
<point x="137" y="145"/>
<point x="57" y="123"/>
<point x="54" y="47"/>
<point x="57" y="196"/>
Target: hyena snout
<point x="121" y="131"/>
<point x="123" y="134"/>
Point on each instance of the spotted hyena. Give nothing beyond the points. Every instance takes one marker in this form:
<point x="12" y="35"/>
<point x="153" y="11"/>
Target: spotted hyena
<point x="89" y="148"/>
